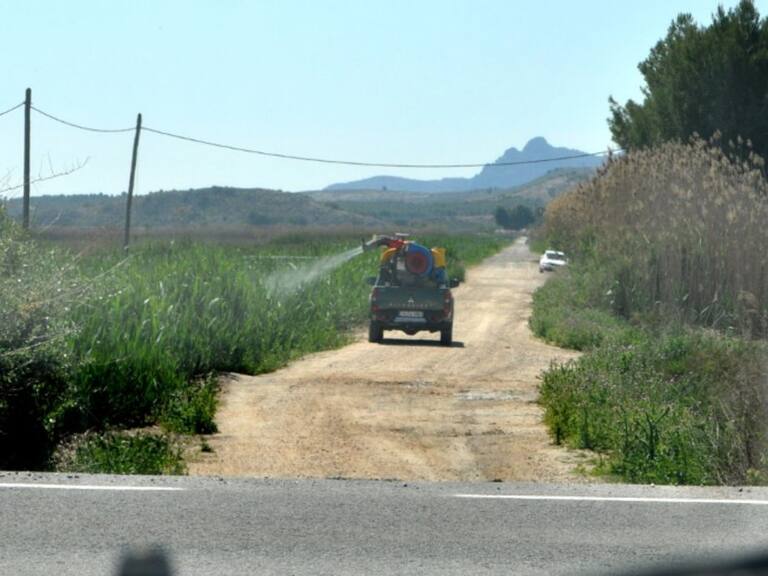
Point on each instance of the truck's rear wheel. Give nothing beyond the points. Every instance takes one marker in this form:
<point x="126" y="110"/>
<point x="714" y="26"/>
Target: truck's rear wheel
<point x="375" y="332"/>
<point x="446" y="336"/>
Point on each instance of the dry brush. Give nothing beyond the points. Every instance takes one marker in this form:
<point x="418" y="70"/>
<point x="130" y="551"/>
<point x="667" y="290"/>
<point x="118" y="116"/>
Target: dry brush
<point x="683" y="226"/>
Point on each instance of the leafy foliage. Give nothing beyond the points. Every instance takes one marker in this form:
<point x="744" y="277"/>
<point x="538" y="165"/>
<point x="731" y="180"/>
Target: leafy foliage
<point x="37" y="289"/>
<point x="516" y="218"/>
<point x="116" y="453"/>
<point x="683" y="408"/>
<point x="572" y="311"/>
<point x="702" y="80"/>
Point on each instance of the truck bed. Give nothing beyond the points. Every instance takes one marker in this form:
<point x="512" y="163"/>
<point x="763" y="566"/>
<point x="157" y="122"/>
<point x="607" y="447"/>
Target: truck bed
<point x="410" y="298"/>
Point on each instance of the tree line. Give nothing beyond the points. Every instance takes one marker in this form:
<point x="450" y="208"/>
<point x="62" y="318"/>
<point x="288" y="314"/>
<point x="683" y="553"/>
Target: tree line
<point x="703" y="80"/>
<point x="515" y="218"/>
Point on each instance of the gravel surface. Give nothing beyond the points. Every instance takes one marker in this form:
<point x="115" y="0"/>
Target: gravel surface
<point x="409" y="408"/>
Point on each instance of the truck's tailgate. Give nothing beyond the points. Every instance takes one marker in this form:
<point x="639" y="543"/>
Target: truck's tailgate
<point x="407" y="298"/>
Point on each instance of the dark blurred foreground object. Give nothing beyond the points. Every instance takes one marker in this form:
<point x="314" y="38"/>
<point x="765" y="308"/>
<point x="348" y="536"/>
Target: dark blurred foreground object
<point x="149" y="562"/>
<point x="751" y="566"/>
<point x="155" y="562"/>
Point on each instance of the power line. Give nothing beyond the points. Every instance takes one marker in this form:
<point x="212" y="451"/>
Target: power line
<point x="315" y="159"/>
<point x="19" y="105"/>
<point x="360" y="163"/>
<point x="80" y="126"/>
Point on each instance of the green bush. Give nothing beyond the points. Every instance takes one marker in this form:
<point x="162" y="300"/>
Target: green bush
<point x="570" y="312"/>
<point x="668" y="266"/>
<point x="116" y="453"/>
<point x="674" y="408"/>
<point x="37" y="290"/>
<point x="536" y="243"/>
<point x="192" y="409"/>
<point x="662" y="403"/>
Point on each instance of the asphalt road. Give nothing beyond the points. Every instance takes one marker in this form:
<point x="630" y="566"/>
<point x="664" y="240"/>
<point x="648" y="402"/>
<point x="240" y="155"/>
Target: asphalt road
<point x="55" y="524"/>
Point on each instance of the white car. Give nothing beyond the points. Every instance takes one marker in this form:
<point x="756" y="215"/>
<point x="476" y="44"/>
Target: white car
<point x="551" y="260"/>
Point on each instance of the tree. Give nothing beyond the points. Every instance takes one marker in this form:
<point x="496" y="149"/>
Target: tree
<point x="515" y="219"/>
<point x="501" y="216"/>
<point x="702" y="80"/>
<point x="521" y="216"/>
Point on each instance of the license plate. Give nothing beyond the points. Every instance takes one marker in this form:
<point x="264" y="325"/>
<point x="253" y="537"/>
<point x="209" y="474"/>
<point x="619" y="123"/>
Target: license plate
<point x="410" y="314"/>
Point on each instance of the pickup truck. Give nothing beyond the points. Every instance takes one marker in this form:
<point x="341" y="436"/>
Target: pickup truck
<point x="412" y="292"/>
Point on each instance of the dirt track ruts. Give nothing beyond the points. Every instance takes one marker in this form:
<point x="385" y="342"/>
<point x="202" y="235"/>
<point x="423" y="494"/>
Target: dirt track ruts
<point x="408" y="408"/>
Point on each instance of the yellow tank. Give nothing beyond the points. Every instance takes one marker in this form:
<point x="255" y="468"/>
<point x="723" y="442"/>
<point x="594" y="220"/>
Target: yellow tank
<point x="386" y="256"/>
<point x="438" y="255"/>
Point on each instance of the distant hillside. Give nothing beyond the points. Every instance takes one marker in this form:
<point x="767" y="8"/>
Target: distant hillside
<point x="224" y="208"/>
<point x="489" y="177"/>
<point x="470" y="209"/>
<point x="200" y="208"/>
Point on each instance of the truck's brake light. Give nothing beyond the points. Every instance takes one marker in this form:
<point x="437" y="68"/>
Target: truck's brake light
<point x="374" y="298"/>
<point x="447" y="302"/>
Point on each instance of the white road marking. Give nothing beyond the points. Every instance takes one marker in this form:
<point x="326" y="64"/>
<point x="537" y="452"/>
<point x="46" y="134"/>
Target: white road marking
<point x="91" y="487"/>
<point x="613" y="499"/>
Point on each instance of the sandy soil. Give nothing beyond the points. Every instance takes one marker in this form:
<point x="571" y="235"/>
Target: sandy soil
<point x="408" y="408"/>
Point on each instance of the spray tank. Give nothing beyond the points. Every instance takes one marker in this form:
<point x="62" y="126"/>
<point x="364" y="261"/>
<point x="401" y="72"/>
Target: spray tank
<point x="403" y="255"/>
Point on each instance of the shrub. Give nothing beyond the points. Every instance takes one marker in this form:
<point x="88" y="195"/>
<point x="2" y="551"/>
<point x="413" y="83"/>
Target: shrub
<point x="121" y="453"/>
<point x="192" y="409"/>
<point x="37" y="290"/>
<point x="572" y="311"/>
<point x="680" y="408"/>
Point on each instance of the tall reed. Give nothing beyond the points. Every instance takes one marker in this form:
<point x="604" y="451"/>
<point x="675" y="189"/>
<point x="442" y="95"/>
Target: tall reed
<point x="682" y="226"/>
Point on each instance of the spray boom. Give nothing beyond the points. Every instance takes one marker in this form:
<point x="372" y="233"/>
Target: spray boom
<point x="396" y="241"/>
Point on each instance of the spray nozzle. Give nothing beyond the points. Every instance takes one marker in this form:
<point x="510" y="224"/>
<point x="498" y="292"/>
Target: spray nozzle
<point x="396" y="241"/>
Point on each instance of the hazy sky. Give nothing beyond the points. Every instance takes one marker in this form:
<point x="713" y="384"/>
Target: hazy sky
<point x="386" y="80"/>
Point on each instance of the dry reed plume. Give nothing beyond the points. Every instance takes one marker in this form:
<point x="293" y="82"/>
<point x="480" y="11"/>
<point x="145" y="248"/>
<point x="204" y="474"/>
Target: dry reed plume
<point x="685" y="227"/>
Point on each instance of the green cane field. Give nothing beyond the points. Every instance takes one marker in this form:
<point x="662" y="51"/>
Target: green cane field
<point x="100" y="341"/>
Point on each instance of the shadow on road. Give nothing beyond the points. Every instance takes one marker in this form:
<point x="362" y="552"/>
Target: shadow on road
<point x="404" y="342"/>
<point x="152" y="561"/>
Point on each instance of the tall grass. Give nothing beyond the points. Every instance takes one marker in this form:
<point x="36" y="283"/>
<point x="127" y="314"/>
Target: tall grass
<point x="176" y="312"/>
<point x="121" y="453"/>
<point x="667" y="294"/>
<point x="573" y="310"/>
<point x="682" y="228"/>
<point x="147" y="332"/>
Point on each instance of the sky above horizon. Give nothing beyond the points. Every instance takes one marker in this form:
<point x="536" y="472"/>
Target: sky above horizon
<point x="397" y="81"/>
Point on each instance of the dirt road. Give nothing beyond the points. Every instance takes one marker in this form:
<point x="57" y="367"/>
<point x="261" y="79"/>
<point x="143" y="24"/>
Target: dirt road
<point x="408" y="408"/>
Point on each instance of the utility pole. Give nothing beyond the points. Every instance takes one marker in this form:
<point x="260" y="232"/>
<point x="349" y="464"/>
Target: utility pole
<point x="27" y="134"/>
<point x="127" y="239"/>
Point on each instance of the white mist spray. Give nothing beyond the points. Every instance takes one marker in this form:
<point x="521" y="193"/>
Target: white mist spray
<point x="287" y="281"/>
